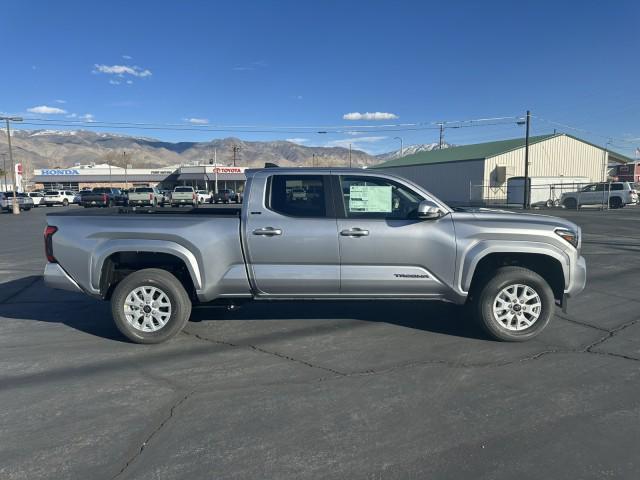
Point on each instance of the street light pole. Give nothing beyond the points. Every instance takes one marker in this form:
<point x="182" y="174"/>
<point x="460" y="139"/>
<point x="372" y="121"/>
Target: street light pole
<point x="124" y="160"/>
<point x="16" y="207"/>
<point x="401" y="150"/>
<point x="525" y="197"/>
<point x="349" y="155"/>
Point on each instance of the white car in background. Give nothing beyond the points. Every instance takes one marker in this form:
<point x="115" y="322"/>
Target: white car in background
<point x="59" y="197"/>
<point x="614" y="194"/>
<point x="203" y="196"/>
<point x="37" y="197"/>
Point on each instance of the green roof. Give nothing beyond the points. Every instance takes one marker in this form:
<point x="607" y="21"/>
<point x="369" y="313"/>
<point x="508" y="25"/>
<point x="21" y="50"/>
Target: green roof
<point x="476" y="151"/>
<point x="480" y="151"/>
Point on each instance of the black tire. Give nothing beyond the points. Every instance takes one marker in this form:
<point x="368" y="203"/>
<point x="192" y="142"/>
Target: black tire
<point x="48" y="205"/>
<point x="485" y="297"/>
<point x="615" y="202"/>
<point x="171" y="286"/>
<point x="570" y="203"/>
<point x="65" y="202"/>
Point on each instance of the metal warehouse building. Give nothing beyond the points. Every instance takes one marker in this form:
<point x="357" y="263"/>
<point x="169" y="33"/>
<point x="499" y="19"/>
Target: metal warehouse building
<point x="479" y="173"/>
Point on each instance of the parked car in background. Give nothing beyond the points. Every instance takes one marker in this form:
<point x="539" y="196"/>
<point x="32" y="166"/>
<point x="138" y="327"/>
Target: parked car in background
<point x="58" y="197"/>
<point x="104" y="197"/>
<point x="6" y="201"/>
<point x="184" y="196"/>
<point x="614" y="194"/>
<point x="145" y="196"/>
<point x="36" y="197"/>
<point x="225" y="196"/>
<point x="204" y="196"/>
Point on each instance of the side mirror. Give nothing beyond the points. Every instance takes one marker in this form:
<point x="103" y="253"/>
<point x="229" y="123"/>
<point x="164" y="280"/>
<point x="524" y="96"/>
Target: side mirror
<point x="428" y="211"/>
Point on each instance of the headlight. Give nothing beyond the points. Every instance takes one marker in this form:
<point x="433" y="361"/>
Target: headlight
<point x="569" y="235"/>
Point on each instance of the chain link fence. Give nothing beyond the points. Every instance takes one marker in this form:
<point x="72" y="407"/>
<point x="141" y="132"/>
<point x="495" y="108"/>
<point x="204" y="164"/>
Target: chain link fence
<point x="570" y="195"/>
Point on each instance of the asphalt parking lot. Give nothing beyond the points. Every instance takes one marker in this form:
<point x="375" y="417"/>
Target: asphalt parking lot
<point x="371" y="390"/>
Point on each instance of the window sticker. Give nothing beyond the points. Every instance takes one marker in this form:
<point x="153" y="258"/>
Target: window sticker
<point x="363" y="198"/>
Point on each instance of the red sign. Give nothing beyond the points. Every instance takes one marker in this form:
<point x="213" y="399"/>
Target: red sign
<point x="19" y="168"/>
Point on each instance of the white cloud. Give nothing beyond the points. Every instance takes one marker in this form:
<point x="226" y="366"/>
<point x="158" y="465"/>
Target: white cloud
<point x="129" y="82"/>
<point x="46" y="110"/>
<point x="87" y="117"/>
<point x="122" y="70"/>
<point x="127" y="57"/>
<point x="355" y="142"/>
<point x="197" y="121"/>
<point x="297" y="140"/>
<point x="72" y="115"/>
<point x="369" y="116"/>
<point x="60" y="101"/>
<point x="114" y="82"/>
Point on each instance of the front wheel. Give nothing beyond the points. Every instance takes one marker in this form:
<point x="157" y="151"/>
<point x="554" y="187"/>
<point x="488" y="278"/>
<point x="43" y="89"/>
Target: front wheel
<point x="570" y="204"/>
<point x="150" y="306"/>
<point x="515" y="305"/>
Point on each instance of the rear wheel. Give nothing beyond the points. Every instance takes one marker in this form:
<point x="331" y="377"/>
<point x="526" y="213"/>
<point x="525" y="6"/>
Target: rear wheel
<point x="615" y="202"/>
<point x="65" y="202"/>
<point x="150" y="306"/>
<point x="515" y="305"/>
<point x="570" y="203"/>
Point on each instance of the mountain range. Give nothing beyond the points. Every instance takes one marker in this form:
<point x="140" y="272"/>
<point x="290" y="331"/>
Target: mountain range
<point x="58" y="149"/>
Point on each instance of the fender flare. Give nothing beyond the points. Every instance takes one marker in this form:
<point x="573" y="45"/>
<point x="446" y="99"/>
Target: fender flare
<point x="472" y="256"/>
<point x="108" y="248"/>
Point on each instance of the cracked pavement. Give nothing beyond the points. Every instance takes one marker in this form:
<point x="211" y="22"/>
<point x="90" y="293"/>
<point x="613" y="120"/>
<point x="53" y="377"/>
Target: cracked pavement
<point x="369" y="390"/>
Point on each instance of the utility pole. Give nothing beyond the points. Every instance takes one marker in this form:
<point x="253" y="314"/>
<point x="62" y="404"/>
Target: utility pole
<point x="16" y="207"/>
<point x="441" y="142"/>
<point x="525" y="197"/>
<point x="349" y="155"/>
<point x="124" y="160"/>
<point x="236" y="149"/>
<point x="215" y="167"/>
<point x="313" y="160"/>
<point x="4" y="170"/>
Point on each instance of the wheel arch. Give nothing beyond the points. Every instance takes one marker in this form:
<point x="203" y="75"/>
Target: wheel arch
<point x="549" y="263"/>
<point x="116" y="259"/>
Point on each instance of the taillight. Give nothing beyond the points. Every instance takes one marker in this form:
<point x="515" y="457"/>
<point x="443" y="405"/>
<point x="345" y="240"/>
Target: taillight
<point x="193" y="196"/>
<point x="151" y="196"/>
<point x="48" y="243"/>
<point x="104" y="197"/>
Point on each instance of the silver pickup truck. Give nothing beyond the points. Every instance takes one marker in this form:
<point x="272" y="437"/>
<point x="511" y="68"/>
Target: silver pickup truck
<point x="317" y="234"/>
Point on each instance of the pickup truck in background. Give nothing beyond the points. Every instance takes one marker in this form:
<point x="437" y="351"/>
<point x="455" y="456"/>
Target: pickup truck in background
<point x="145" y="196"/>
<point x="183" y="196"/>
<point x="320" y="234"/>
<point x="103" y="197"/>
<point x="224" y="196"/>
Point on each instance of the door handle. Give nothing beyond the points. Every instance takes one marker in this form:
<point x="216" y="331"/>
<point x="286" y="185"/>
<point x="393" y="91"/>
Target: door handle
<point x="268" y="231"/>
<point x="354" y="232"/>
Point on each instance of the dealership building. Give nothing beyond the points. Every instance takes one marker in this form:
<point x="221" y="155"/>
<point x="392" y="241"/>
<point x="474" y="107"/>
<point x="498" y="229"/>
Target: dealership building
<point x="201" y="177"/>
<point x="482" y="173"/>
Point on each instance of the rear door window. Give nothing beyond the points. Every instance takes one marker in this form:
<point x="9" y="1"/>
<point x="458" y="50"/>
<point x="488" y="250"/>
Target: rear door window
<point x="297" y="195"/>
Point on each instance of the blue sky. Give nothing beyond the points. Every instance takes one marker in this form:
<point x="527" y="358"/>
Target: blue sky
<point x="309" y="63"/>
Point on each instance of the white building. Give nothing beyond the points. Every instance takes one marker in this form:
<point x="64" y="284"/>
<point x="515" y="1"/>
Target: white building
<point x="479" y="173"/>
<point x="205" y="177"/>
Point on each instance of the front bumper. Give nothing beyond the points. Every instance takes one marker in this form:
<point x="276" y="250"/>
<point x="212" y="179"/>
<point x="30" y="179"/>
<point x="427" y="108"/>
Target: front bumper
<point x="577" y="277"/>
<point x="56" y="277"/>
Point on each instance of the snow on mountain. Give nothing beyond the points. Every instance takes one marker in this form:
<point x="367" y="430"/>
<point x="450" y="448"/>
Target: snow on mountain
<point x="410" y="150"/>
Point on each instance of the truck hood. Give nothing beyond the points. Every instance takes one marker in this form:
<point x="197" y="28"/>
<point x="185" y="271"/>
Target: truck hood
<point x="508" y="216"/>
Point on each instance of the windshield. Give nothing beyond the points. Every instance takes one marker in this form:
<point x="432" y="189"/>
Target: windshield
<point x="101" y="190"/>
<point x="143" y="190"/>
<point x="183" y="189"/>
<point x="51" y="192"/>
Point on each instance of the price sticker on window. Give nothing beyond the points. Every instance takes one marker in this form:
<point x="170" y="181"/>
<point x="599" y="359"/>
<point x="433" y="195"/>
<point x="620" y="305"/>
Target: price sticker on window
<point x="370" y="198"/>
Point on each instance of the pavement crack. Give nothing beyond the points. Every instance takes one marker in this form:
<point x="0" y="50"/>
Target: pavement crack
<point x="582" y="324"/>
<point x="265" y="351"/>
<point x="155" y="431"/>
<point x="610" y="334"/>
